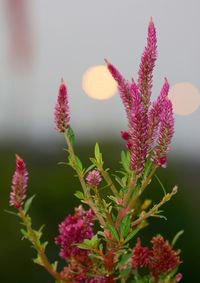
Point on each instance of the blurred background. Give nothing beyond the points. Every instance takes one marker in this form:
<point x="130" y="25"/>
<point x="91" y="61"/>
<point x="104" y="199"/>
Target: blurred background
<point x="42" y="41"/>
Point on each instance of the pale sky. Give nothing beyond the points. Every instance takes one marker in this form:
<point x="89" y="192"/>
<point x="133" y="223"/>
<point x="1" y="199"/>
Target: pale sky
<point x="68" y="37"/>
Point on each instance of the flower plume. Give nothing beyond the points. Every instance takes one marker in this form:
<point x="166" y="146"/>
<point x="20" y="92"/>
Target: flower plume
<point x="165" y="134"/>
<point x="123" y="86"/>
<point x="138" y="132"/>
<point x="147" y="64"/>
<point x="19" y="183"/>
<point x="61" y="112"/>
<point x="93" y="178"/>
<point x="155" y="113"/>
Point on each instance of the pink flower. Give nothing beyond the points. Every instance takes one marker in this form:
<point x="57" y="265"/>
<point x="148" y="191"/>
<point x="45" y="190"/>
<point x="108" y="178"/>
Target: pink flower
<point x="93" y="178"/>
<point x="138" y="132"/>
<point x="147" y="64"/>
<point x="164" y="258"/>
<point x="165" y="134"/>
<point x="75" y="229"/>
<point x="154" y="116"/>
<point x="123" y="87"/>
<point x="19" y="183"/>
<point x="141" y="256"/>
<point x="61" y="112"/>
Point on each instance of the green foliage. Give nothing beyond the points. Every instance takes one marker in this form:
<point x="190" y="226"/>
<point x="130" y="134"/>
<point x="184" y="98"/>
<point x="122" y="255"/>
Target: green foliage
<point x="28" y="203"/>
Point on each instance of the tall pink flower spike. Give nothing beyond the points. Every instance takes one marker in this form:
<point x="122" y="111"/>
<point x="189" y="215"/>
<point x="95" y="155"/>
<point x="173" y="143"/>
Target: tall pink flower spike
<point x="62" y="113"/>
<point x="147" y="64"/>
<point x="19" y="183"/>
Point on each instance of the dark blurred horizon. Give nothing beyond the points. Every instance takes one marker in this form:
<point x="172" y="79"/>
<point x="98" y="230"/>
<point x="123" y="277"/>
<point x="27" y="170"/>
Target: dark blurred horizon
<point x="54" y="186"/>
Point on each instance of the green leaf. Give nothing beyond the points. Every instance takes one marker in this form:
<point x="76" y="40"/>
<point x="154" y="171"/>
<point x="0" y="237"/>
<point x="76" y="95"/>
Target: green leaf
<point x="147" y="168"/>
<point x="24" y="233"/>
<point x="11" y="212"/>
<point x="28" y="203"/>
<point x="176" y="237"/>
<point x="131" y="235"/>
<point x="125" y="225"/>
<point x="97" y="151"/>
<point x="89" y="168"/>
<point x="79" y="164"/>
<point x="125" y="272"/>
<point x="113" y="231"/>
<point x="79" y="195"/>
<point x="125" y="161"/>
<point x="124" y="259"/>
<point x="71" y="135"/>
<point x="161" y="184"/>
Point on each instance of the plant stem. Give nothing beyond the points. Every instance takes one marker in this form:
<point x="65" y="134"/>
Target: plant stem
<point x="145" y="183"/>
<point x="82" y="181"/>
<point x="34" y="240"/>
<point x="108" y="179"/>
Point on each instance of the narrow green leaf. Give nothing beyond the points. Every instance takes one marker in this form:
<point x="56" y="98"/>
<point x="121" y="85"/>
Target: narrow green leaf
<point x="97" y="151"/>
<point x="11" y="212"/>
<point x="89" y="168"/>
<point x="147" y="168"/>
<point x="125" y="225"/>
<point x="125" y="272"/>
<point x="113" y="231"/>
<point x="125" y="161"/>
<point x="131" y="235"/>
<point x="176" y="237"/>
<point x="28" y="203"/>
<point x="161" y="184"/>
<point x="123" y="260"/>
<point x="79" y="195"/>
<point x="79" y="163"/>
<point x="71" y="135"/>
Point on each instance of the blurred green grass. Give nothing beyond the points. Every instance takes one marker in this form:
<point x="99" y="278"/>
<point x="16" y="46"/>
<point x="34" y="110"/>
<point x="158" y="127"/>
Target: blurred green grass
<point x="54" y="186"/>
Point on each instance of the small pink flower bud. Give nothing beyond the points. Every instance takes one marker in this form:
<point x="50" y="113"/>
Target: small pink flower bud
<point x="61" y="112"/>
<point x="125" y="135"/>
<point x="178" y="277"/>
<point x="19" y="183"/>
<point x="93" y="178"/>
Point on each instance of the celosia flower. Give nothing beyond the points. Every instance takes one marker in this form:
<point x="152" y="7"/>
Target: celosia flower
<point x="141" y="256"/>
<point x="147" y="64"/>
<point x="75" y="229"/>
<point x="123" y="87"/>
<point x="93" y="178"/>
<point x="164" y="258"/>
<point x="138" y="132"/>
<point x="61" y="112"/>
<point x="160" y="260"/>
<point x="155" y="114"/>
<point x="19" y="183"/>
<point x="165" y="134"/>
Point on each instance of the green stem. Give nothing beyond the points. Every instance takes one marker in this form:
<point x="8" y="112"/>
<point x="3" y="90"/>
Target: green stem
<point x="33" y="239"/>
<point x="145" y="183"/>
<point x="82" y="181"/>
<point x="108" y="179"/>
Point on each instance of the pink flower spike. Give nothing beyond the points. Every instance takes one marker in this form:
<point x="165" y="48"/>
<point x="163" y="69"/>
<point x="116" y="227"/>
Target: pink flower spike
<point x="19" y="184"/>
<point x="61" y="112"/>
<point x="138" y="132"/>
<point x="123" y="86"/>
<point x="166" y="133"/>
<point x="147" y="64"/>
<point x="93" y="178"/>
<point x="155" y="113"/>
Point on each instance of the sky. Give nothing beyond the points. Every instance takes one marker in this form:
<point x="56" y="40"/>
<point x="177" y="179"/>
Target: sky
<point x="42" y="41"/>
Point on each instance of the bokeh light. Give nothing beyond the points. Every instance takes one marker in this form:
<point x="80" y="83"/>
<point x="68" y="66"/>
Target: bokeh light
<point x="98" y="83"/>
<point x="185" y="98"/>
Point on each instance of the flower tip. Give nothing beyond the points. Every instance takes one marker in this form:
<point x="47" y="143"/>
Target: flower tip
<point x="17" y="157"/>
<point x="62" y="81"/>
<point x="106" y="61"/>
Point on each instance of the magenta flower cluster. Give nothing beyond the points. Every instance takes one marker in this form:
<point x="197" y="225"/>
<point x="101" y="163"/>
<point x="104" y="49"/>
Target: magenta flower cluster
<point x="61" y="113"/>
<point x="19" y="183"/>
<point x="150" y="128"/>
<point x="93" y="178"/>
<point x="75" y="229"/>
<point x="161" y="259"/>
